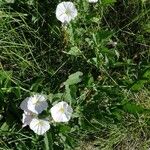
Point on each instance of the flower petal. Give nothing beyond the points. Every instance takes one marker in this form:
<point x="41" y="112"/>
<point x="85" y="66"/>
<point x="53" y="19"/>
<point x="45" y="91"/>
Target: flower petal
<point x="24" y="103"/>
<point x="26" y="118"/>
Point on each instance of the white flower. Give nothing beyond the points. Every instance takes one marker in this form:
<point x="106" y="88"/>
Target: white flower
<point x="27" y="118"/>
<point x="61" y="112"/>
<point x="66" y="11"/>
<point x="36" y="104"/>
<point x="92" y="1"/>
<point x="39" y="126"/>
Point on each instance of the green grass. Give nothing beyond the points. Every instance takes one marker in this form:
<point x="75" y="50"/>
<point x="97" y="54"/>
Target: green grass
<point x="112" y="102"/>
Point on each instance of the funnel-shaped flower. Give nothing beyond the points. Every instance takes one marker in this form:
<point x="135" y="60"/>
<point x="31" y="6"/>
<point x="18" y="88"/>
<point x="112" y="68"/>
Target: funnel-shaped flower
<point x="36" y="104"/>
<point x="66" y="11"/>
<point x="39" y="126"/>
<point x="61" y="112"/>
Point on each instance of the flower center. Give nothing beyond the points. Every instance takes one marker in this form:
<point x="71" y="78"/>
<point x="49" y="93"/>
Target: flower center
<point x="68" y="12"/>
<point x="34" y="100"/>
<point x="62" y="110"/>
<point x="40" y="123"/>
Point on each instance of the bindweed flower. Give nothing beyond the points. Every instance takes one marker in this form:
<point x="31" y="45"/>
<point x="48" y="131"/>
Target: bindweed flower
<point x="33" y="106"/>
<point x="39" y="126"/>
<point x="65" y="12"/>
<point x="61" y="112"/>
<point x="36" y="104"/>
<point x="92" y="1"/>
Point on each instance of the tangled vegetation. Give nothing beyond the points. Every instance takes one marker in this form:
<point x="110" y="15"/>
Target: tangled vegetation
<point x="99" y="63"/>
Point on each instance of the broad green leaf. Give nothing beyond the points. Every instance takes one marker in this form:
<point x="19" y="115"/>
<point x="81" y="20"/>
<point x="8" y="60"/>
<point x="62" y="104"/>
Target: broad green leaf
<point x="100" y="36"/>
<point x="147" y="74"/>
<point x="4" y="127"/>
<point x="70" y="92"/>
<point x="64" y="129"/>
<point x="75" y="51"/>
<point x="133" y="108"/>
<point x="138" y="85"/>
<point x="74" y="78"/>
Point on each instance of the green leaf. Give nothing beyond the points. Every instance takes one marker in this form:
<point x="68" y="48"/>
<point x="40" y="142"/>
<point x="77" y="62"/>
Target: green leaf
<point x="138" y="85"/>
<point x="74" y="78"/>
<point x="35" y="86"/>
<point x="108" y="2"/>
<point x="5" y="78"/>
<point x="48" y="141"/>
<point x="75" y="51"/>
<point x="70" y="92"/>
<point x="133" y="108"/>
<point x="16" y="91"/>
<point x="147" y="74"/>
<point x="95" y="19"/>
<point x="141" y="82"/>
<point x="64" y="129"/>
<point x="9" y="1"/>
<point x="100" y="36"/>
<point x="93" y="61"/>
<point x="4" y="127"/>
<point x="56" y="97"/>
